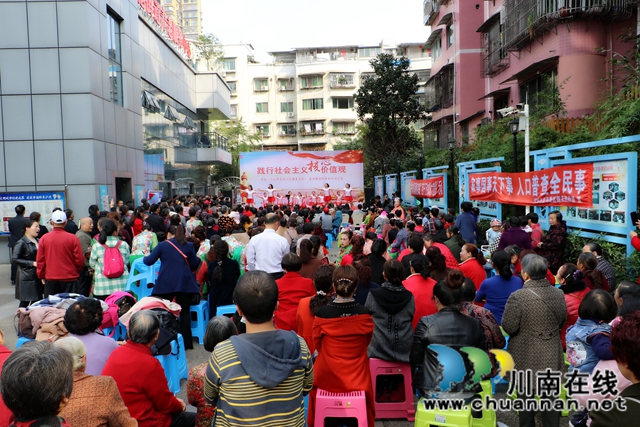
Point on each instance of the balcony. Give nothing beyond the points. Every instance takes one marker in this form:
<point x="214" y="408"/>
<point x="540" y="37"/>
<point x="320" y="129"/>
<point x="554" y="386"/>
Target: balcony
<point x="342" y="81"/>
<point x="439" y="90"/>
<point x="311" y="129"/>
<point x="526" y="19"/>
<point x="287" y="85"/>
<point x="494" y="55"/>
<point x="430" y="11"/>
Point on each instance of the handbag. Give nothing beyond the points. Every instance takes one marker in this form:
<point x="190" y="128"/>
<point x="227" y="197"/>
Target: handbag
<point x="195" y="298"/>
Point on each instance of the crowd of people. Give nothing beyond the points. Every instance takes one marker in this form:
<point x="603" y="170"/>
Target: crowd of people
<point x="401" y="280"/>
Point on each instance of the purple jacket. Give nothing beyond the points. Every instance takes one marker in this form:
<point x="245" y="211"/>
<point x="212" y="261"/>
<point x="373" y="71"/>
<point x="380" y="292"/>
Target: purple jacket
<point x="515" y="236"/>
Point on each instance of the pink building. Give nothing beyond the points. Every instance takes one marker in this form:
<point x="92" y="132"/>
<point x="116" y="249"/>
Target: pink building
<point x="508" y="51"/>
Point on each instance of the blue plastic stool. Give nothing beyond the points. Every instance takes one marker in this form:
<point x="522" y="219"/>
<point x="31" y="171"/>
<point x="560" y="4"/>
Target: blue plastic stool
<point x="225" y="309"/>
<point x="329" y="240"/>
<point x="183" y="367"/>
<point x="201" y="314"/>
<point x="140" y="277"/>
<point x="21" y="341"/>
<point x="120" y="333"/>
<point x="170" y="365"/>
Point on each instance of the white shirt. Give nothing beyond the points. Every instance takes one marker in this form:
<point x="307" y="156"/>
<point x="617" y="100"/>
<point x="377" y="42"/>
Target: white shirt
<point x="347" y="191"/>
<point x="265" y="251"/>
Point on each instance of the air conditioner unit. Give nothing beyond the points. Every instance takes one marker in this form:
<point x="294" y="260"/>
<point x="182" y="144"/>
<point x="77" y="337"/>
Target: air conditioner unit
<point x="291" y="115"/>
<point x="283" y="132"/>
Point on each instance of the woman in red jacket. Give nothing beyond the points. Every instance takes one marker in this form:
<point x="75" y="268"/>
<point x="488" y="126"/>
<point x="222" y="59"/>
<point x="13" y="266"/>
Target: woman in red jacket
<point x="571" y="282"/>
<point x="309" y="306"/>
<point x="292" y="287"/>
<point x="421" y="286"/>
<point x="342" y="332"/>
<point x="472" y="264"/>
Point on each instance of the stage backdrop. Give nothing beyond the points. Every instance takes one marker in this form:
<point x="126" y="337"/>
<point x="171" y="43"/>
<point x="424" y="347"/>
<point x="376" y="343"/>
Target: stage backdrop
<point x="303" y="171"/>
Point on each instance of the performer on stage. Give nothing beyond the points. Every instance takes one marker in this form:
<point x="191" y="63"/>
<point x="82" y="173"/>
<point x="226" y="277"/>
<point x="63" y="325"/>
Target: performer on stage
<point x="270" y="193"/>
<point x="249" y="192"/>
<point x="327" y="192"/>
<point x="348" y="195"/>
<point x="298" y="199"/>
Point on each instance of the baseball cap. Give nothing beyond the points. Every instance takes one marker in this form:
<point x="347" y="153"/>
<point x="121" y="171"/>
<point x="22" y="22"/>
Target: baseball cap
<point x="58" y="217"/>
<point x="326" y="210"/>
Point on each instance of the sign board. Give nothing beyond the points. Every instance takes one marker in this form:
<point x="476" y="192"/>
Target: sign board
<point x="439" y="172"/>
<point x="392" y="185"/>
<point x="488" y="209"/>
<point x="406" y="178"/>
<point x="303" y="172"/>
<point x="43" y="202"/>
<point x="379" y="186"/>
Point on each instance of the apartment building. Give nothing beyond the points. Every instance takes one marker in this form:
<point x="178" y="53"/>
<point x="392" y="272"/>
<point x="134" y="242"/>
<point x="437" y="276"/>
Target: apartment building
<point x="303" y="99"/>
<point x="519" y="50"/>
<point x="187" y="14"/>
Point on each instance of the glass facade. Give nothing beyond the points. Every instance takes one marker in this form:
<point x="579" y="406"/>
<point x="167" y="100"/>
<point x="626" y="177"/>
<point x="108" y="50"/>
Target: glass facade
<point x="115" y="57"/>
<point x="171" y="134"/>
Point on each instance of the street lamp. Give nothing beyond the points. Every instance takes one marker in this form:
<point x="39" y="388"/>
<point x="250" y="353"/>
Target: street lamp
<point x="452" y="145"/>
<point x="514" y="125"/>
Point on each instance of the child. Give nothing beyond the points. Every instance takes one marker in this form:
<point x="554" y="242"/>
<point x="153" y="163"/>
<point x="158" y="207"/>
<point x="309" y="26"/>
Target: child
<point x="494" y="232"/>
<point x="589" y="339"/>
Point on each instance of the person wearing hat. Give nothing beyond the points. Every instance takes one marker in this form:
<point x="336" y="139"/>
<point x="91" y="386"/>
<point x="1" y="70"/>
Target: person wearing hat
<point x="494" y="232"/>
<point x="60" y="258"/>
<point x="326" y="221"/>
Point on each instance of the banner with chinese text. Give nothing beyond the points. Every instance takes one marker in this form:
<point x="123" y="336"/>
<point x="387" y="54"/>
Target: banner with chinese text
<point x="303" y="172"/>
<point x="431" y="188"/>
<point x="44" y="203"/>
<point x="567" y="185"/>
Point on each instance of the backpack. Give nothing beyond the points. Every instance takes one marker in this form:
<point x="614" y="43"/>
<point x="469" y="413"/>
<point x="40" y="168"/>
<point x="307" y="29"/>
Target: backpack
<point x="169" y="330"/>
<point x="112" y="262"/>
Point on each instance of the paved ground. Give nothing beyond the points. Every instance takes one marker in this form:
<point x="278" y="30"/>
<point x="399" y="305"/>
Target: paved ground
<point x="8" y="306"/>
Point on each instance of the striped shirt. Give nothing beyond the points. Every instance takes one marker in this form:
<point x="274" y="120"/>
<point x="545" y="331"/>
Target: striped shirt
<point x="243" y="402"/>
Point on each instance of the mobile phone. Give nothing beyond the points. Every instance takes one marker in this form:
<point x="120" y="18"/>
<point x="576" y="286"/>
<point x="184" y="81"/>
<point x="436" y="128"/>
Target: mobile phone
<point x="634" y="217"/>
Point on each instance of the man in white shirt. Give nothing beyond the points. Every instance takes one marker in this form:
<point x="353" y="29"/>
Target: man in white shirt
<point x="266" y="250"/>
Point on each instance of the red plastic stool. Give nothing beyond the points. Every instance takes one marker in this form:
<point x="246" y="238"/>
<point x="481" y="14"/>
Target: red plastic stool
<point x="397" y="402"/>
<point x="340" y="405"/>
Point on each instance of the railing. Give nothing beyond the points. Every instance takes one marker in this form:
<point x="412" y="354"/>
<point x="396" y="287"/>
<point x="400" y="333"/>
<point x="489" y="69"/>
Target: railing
<point x="525" y="19"/>
<point x="495" y="56"/>
<point x="570" y="124"/>
<point x="286" y="88"/>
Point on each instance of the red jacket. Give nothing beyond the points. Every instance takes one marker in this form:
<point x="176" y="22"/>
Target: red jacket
<point x="474" y="271"/>
<point x="422" y="290"/>
<point x="450" y="260"/>
<point x="142" y="385"/>
<point x="59" y="256"/>
<point x="573" y="301"/>
<point x="5" y="413"/>
<point x="292" y="287"/>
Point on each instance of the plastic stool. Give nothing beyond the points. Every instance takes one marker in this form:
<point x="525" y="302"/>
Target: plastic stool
<point x="341" y="405"/>
<point x="21" y="341"/>
<point x="181" y="358"/>
<point x="170" y="365"/>
<point x="486" y="418"/>
<point x="401" y="408"/>
<point x="225" y="309"/>
<point x="201" y="314"/>
<point x="119" y="335"/>
<point x="141" y="278"/>
<point x="447" y="418"/>
<point x="329" y="240"/>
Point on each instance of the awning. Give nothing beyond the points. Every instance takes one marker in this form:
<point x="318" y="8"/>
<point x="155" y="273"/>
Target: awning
<point x="489" y="23"/>
<point x="149" y="101"/>
<point x="440" y="71"/>
<point x="498" y="93"/>
<point x="311" y="74"/>
<point x="171" y="113"/>
<point x="188" y="123"/>
<point x="346" y="120"/>
<point x="477" y="113"/>
<point x="435" y="34"/>
<point x="534" y="69"/>
<point x="445" y="19"/>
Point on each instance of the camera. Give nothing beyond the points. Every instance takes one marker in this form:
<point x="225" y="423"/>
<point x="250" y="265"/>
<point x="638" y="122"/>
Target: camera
<point x="504" y="112"/>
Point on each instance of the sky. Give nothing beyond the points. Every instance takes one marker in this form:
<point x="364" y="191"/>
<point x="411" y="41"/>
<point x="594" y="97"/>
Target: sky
<point x="276" y="25"/>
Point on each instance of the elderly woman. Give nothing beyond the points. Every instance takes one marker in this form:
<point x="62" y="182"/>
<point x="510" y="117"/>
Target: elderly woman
<point x="533" y="318"/>
<point x="82" y="319"/>
<point x="95" y="400"/>
<point x="345" y="245"/>
<point x="219" y="328"/>
<point x="553" y="243"/>
<point x="292" y="287"/>
<point x="447" y="327"/>
<point x="29" y="287"/>
<point x="472" y="265"/>
<point x="36" y="384"/>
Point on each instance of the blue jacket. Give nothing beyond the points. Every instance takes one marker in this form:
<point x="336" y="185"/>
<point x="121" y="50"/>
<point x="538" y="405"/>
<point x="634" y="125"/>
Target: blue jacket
<point x="579" y="352"/>
<point x="175" y="275"/>
<point x="466" y="223"/>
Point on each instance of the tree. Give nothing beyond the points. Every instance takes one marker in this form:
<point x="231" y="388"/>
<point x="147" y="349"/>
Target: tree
<point x="238" y="140"/>
<point x="387" y="104"/>
<point x="210" y="50"/>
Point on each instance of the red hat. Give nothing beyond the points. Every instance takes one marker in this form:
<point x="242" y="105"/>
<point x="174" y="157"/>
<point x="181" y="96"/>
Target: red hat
<point x="303" y="206"/>
<point x="326" y="210"/>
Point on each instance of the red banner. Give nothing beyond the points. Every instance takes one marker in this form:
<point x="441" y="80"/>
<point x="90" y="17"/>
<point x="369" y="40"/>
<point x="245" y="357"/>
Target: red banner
<point x="432" y="188"/>
<point x="567" y="185"/>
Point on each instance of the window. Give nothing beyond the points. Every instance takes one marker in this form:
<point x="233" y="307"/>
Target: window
<point x="313" y="104"/>
<point x="232" y="86"/>
<point x="312" y="128"/>
<point x="261" y="85"/>
<point x="310" y="82"/>
<point x="436" y="49"/>
<point x="229" y="64"/>
<point x="343" y="103"/>
<point x="233" y="110"/>
<point x="366" y="76"/>
<point x="368" y="52"/>
<point x="450" y="36"/>
<point x="285" y="85"/>
<point x="340" y="128"/>
<point x="341" y="80"/>
<point x="263" y="130"/>
<point x="262" y="107"/>
<point x="115" y="57"/>
<point x="542" y="92"/>
<point x="287" y="129"/>
<point x="286" y="107"/>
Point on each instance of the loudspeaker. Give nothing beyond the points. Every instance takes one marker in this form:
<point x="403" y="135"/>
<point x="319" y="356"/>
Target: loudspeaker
<point x="369" y="194"/>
